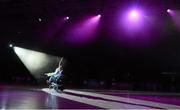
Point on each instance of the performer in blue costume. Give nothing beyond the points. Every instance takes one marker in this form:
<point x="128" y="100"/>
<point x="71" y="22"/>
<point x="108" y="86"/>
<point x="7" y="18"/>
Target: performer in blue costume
<point x="55" y="78"/>
<point x="55" y="75"/>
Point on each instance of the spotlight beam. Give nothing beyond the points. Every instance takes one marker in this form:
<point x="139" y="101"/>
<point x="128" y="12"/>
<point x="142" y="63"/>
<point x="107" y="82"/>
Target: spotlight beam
<point x="83" y="31"/>
<point x="36" y="62"/>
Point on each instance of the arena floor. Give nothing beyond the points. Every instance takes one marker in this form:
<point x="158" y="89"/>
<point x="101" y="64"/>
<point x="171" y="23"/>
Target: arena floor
<point x="43" y="98"/>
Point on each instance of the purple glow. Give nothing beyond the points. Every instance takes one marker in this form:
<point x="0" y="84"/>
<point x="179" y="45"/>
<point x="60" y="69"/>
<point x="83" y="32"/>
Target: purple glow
<point x="67" y="18"/>
<point x="99" y="16"/>
<point x="171" y="12"/>
<point x="133" y="27"/>
<point x="132" y="20"/>
<point x="84" y="31"/>
<point x="134" y="16"/>
<point x="168" y="10"/>
<point x="175" y="15"/>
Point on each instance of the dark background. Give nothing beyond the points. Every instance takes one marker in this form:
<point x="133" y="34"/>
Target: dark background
<point x="103" y="59"/>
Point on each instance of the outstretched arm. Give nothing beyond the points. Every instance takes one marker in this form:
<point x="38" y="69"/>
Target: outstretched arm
<point x="60" y="62"/>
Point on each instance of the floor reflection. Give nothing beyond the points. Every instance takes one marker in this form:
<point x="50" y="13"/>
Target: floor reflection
<point x="10" y="99"/>
<point x="52" y="101"/>
<point x="79" y="99"/>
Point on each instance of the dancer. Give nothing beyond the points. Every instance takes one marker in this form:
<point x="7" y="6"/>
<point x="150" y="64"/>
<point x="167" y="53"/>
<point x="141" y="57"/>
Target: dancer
<point x="55" y="78"/>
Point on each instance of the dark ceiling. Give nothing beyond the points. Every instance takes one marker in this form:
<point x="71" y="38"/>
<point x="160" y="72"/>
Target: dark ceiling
<point x="20" y="25"/>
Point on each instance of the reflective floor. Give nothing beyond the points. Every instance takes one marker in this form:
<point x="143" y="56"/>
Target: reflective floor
<point x="43" y="98"/>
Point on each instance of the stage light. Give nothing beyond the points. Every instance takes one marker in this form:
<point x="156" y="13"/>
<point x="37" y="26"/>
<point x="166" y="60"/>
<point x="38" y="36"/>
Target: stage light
<point x="99" y="15"/>
<point x="36" y="62"/>
<point x="67" y="18"/>
<point x="168" y="10"/>
<point x="134" y="15"/>
<point x="83" y="31"/>
<point x="132" y="21"/>
<point x="10" y="45"/>
<point x="39" y="19"/>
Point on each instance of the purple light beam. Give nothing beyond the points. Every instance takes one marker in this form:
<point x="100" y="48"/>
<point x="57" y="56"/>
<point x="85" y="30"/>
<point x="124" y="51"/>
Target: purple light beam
<point x="84" y="31"/>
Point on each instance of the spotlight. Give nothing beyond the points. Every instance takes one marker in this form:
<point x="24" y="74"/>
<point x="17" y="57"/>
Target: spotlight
<point x="39" y="19"/>
<point x="67" y="18"/>
<point x="168" y="10"/>
<point x="36" y="62"/>
<point x="134" y="14"/>
<point x="83" y="31"/>
<point x="99" y="15"/>
<point x="10" y="45"/>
